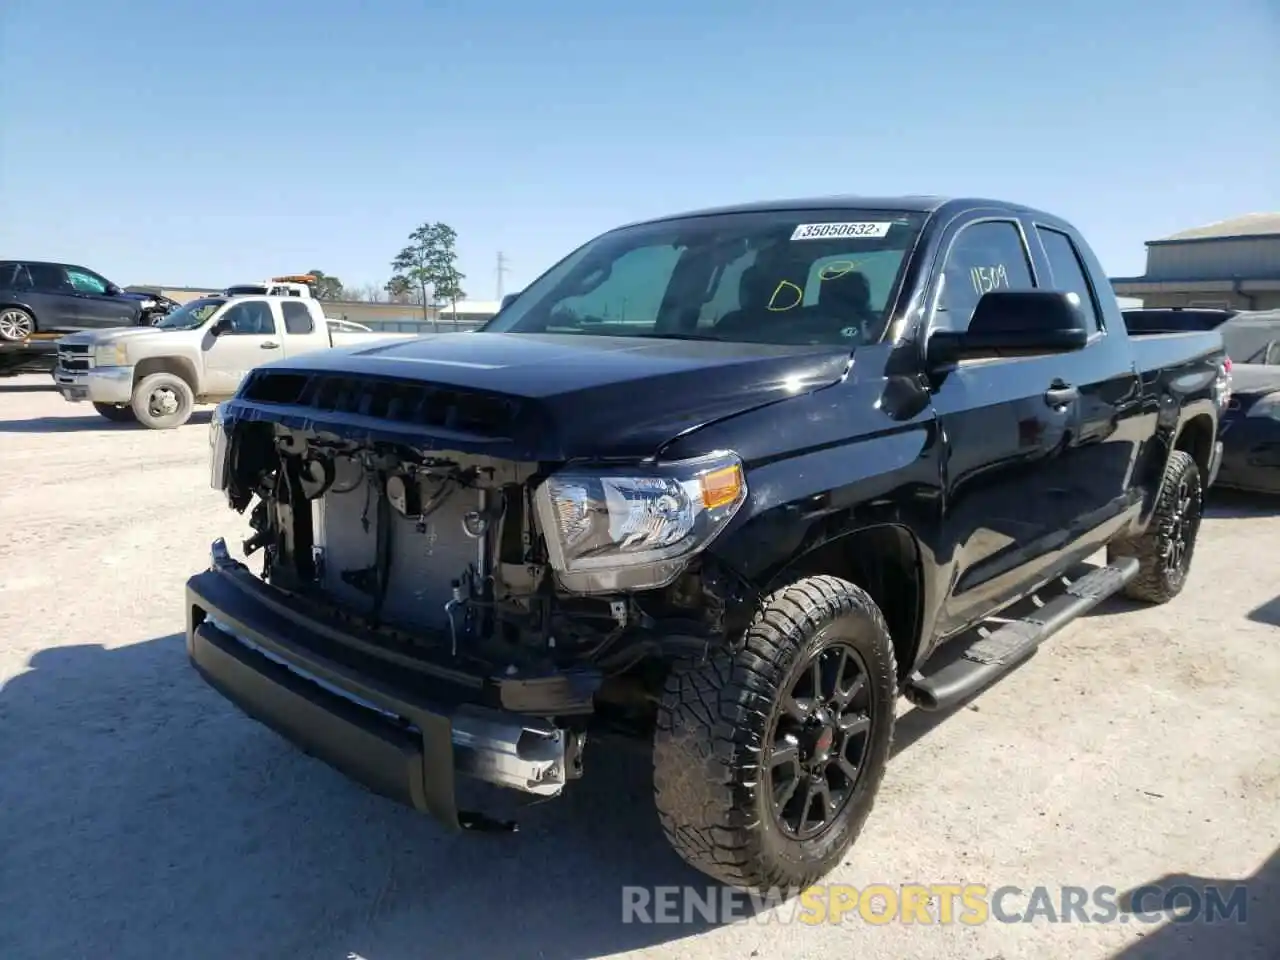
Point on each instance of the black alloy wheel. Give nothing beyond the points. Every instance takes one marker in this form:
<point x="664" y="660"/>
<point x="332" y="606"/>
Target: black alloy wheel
<point x="818" y="742"/>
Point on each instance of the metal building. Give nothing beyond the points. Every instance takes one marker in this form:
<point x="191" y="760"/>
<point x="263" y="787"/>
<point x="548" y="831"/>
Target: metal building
<point x="1233" y="264"/>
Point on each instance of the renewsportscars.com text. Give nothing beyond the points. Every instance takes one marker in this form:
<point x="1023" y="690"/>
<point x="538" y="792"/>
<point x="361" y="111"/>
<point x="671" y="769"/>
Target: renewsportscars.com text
<point x="937" y="903"/>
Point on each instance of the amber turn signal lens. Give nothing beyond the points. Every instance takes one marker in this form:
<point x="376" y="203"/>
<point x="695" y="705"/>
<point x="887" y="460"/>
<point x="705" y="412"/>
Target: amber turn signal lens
<point x="721" y="487"/>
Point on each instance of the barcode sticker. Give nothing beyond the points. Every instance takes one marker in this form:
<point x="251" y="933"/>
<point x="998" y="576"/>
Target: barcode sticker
<point x="830" y="231"/>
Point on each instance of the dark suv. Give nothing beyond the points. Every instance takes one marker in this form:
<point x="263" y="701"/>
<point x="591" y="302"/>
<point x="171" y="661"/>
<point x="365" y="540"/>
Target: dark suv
<point x="45" y="297"/>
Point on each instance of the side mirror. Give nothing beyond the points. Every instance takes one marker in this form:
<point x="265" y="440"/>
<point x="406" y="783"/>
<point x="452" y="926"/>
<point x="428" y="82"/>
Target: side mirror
<point x="113" y="290"/>
<point x="220" y="326"/>
<point x="1014" y="323"/>
<point x="508" y="300"/>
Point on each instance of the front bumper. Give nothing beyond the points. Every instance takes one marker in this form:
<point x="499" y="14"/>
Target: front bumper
<point x="1215" y="463"/>
<point x="405" y="743"/>
<point x="97" y="385"/>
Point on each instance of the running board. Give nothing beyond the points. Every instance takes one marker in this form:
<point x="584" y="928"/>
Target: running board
<point x="990" y="656"/>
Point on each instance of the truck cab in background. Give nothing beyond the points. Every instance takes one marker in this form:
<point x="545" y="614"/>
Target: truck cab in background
<point x="200" y="353"/>
<point x="291" y="285"/>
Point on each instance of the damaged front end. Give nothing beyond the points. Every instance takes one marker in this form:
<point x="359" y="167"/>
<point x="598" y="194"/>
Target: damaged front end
<point x="423" y="557"/>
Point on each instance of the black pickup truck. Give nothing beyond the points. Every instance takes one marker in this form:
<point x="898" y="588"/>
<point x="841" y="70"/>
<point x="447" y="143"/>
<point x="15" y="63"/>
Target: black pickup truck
<point x="729" y="482"/>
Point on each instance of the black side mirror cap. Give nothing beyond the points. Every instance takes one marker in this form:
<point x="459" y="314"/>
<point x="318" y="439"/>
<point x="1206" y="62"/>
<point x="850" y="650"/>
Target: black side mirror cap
<point x="508" y="300"/>
<point x="1014" y="323"/>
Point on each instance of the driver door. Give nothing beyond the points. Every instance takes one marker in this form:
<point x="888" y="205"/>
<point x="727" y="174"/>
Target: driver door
<point x="249" y="338"/>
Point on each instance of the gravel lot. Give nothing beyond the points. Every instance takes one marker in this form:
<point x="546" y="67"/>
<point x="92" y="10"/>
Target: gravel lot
<point x="141" y="816"/>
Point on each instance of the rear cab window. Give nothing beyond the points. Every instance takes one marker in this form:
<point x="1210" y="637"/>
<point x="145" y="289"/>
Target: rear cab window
<point x="824" y="276"/>
<point x="297" y="318"/>
<point x="1069" y="273"/>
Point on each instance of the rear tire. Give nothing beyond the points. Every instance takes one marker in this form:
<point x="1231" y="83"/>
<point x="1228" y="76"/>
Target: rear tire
<point x="116" y="412"/>
<point x="1164" y="552"/>
<point x="16" y="324"/>
<point x="744" y="735"/>
<point x="162" y="401"/>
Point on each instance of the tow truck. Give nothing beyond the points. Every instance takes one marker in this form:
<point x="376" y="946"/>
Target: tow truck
<point x="289" y="285"/>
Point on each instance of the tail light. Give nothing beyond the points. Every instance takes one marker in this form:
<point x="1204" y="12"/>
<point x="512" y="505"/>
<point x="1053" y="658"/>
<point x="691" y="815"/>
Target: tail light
<point x="1222" y="385"/>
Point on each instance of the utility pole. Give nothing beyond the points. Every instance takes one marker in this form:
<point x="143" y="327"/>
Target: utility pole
<point x="501" y="271"/>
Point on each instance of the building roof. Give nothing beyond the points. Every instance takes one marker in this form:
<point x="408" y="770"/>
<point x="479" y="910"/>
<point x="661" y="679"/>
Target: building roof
<point x="1249" y="225"/>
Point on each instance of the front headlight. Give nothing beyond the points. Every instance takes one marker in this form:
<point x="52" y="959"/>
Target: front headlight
<point x="110" y="355"/>
<point x="1268" y="406"/>
<point x="636" y="528"/>
<point x="146" y="304"/>
<point x="218" y="459"/>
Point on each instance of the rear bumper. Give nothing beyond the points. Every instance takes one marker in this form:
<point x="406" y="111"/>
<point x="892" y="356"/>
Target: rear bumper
<point x="98" y="385"/>
<point x="398" y="742"/>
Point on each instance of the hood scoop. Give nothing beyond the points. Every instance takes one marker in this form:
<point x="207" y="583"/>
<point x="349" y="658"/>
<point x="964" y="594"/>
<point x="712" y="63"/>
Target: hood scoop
<point x="462" y="410"/>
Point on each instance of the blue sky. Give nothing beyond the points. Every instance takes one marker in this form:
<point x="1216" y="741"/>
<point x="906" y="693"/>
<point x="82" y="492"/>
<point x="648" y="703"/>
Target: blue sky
<point x="162" y="141"/>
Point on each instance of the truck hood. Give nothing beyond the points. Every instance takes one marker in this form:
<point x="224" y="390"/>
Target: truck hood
<point x="562" y="397"/>
<point x="95" y="338"/>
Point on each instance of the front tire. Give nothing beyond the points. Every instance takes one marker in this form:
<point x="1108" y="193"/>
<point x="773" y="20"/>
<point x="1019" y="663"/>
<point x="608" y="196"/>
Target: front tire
<point x="162" y="401"/>
<point x="768" y="756"/>
<point x="115" y="412"/>
<point x="1164" y="551"/>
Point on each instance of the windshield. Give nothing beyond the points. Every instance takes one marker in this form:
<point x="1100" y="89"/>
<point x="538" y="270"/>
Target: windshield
<point x="780" y="277"/>
<point x="191" y="315"/>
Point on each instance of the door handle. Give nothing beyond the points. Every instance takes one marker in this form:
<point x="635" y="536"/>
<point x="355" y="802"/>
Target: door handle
<point x="270" y="346"/>
<point x="1060" y="394"/>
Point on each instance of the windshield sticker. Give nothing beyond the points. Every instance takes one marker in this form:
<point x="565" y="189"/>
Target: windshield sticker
<point x="792" y="296"/>
<point x="830" y="231"/>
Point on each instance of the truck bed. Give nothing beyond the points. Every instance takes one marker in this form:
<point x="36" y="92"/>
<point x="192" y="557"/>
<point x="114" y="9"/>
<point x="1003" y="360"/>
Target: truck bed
<point x="1170" y="352"/>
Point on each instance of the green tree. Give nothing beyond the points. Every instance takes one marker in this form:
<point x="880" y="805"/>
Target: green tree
<point x="325" y="287"/>
<point x="399" y="290"/>
<point x="429" y="262"/>
<point x="448" y="288"/>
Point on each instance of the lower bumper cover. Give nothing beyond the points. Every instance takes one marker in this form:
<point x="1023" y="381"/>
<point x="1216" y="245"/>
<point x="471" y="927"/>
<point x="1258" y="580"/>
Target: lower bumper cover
<point x="99" y="385"/>
<point x="400" y="745"/>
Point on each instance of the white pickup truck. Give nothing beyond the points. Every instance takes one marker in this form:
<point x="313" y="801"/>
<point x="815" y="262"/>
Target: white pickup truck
<point x="199" y="353"/>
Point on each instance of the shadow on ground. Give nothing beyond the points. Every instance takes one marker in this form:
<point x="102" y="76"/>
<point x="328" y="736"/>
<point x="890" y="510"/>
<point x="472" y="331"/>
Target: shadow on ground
<point x="1253" y="931"/>
<point x="142" y="816"/>
<point x="27" y="387"/>
<point x="1237" y="505"/>
<point x="80" y="424"/>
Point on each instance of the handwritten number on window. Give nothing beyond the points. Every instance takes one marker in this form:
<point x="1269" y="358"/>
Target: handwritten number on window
<point x="986" y="279"/>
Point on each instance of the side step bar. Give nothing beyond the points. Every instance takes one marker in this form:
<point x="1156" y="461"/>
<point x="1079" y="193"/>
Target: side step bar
<point x="991" y="655"/>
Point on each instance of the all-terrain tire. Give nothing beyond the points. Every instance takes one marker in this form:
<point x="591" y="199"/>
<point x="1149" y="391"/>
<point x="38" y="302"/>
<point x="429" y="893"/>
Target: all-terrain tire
<point x="719" y="715"/>
<point x="151" y="401"/>
<point x="115" y="412"/>
<point x="1164" y="551"/>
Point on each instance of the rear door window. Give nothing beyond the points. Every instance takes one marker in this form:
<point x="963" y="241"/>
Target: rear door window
<point x="1068" y="272"/>
<point x="49" y="278"/>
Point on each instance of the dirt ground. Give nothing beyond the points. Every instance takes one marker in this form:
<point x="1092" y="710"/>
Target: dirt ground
<point x="142" y="816"/>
